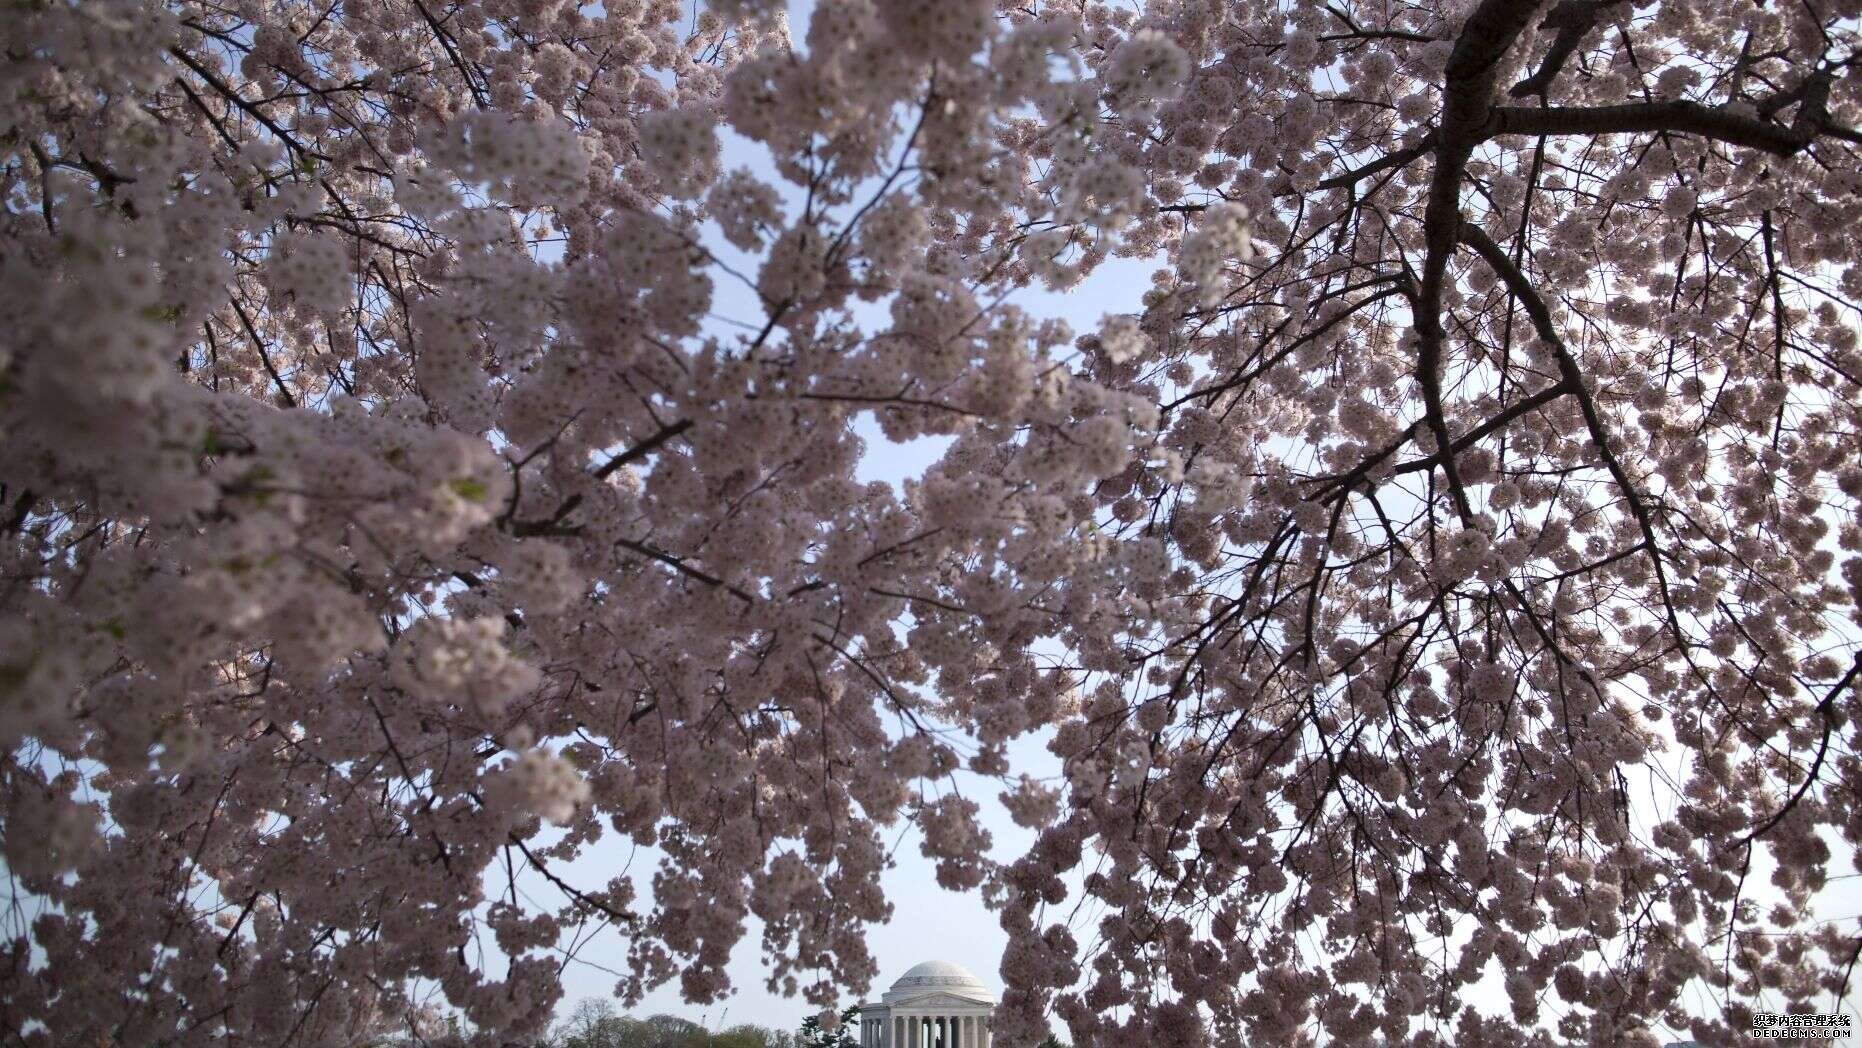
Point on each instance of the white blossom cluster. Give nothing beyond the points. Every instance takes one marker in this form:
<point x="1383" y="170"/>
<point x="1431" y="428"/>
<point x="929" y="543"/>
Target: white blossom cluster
<point x="746" y="208"/>
<point x="542" y="784"/>
<point x="681" y="145"/>
<point x="1146" y="68"/>
<point x="1222" y="238"/>
<point x="519" y="160"/>
<point x="312" y="269"/>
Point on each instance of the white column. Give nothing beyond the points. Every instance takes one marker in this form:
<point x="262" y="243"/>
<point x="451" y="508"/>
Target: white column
<point x="988" y="1035"/>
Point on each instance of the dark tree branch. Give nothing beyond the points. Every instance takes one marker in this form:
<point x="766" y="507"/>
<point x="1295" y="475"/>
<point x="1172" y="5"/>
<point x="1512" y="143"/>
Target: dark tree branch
<point x="1467" y="102"/>
<point x="1515" y="281"/>
<point x="1825" y="710"/>
<point x="1572" y="19"/>
<point x="582" y="898"/>
<point x="1679" y="116"/>
<point x="285" y="398"/>
<point x="1383" y="163"/>
<point x="644" y="448"/>
<point x="231" y="94"/>
<point x="1572" y="376"/>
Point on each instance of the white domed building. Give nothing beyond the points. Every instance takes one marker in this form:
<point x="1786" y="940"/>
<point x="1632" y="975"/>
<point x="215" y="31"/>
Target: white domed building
<point x="935" y="1005"/>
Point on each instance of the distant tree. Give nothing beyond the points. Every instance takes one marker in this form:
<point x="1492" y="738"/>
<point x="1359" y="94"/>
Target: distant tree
<point x="751" y="1036"/>
<point x="814" y="1036"/>
<point x="595" y="1024"/>
<point x="748" y="1035"/>
<point x="591" y="1023"/>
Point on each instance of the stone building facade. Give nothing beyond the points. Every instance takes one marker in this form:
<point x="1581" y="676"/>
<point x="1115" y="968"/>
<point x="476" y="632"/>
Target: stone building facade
<point x="935" y="1005"/>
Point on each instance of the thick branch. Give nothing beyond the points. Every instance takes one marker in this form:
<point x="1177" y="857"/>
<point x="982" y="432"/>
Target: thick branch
<point x="1679" y="116"/>
<point x="1515" y="281"/>
<point x="1383" y="163"/>
<point x="285" y="399"/>
<point x="1517" y="409"/>
<point x="1572" y="19"/>
<point x="1467" y="101"/>
<point x="1571" y="377"/>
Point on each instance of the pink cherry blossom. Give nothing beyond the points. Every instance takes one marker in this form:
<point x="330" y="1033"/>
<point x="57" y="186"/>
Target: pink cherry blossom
<point x="1437" y="587"/>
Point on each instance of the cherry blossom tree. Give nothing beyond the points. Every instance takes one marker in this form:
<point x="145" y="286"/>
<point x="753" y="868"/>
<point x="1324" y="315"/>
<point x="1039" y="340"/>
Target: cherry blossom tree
<point x="1443" y="577"/>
